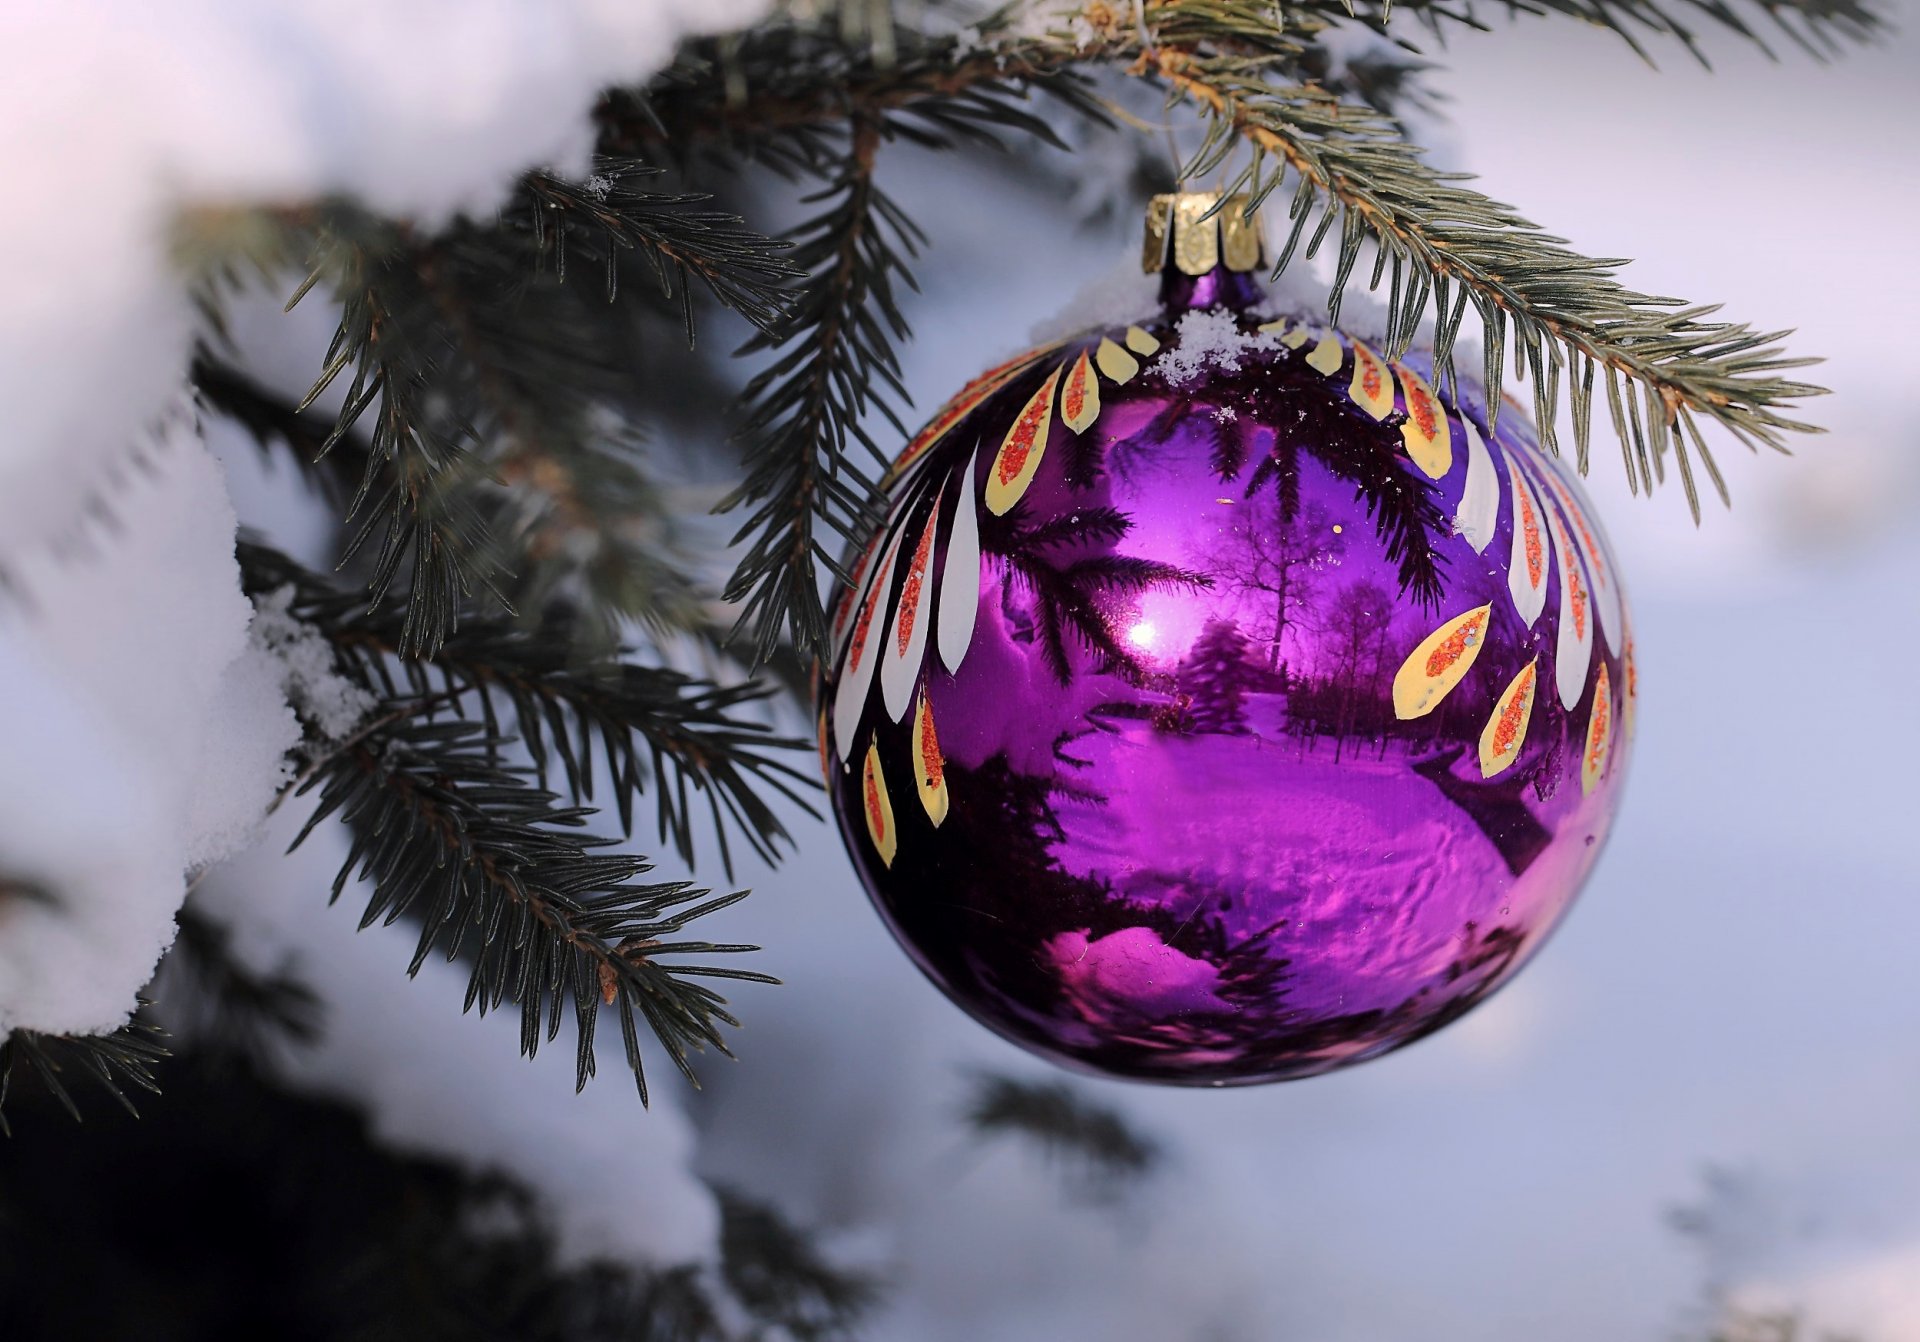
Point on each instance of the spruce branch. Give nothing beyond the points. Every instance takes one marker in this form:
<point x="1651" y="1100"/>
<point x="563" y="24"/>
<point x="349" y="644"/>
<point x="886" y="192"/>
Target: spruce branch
<point x="111" y="1062"/>
<point x="1100" y="1152"/>
<point x="805" y="408"/>
<point x="1819" y="28"/>
<point x="782" y="1280"/>
<point x="1448" y="246"/>
<point x="589" y="710"/>
<point x="218" y="1002"/>
<point x="612" y="213"/>
<point x="484" y="860"/>
<point x="418" y="449"/>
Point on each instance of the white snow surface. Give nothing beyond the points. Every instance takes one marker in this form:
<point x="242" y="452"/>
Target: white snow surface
<point x="125" y="113"/>
<point x="142" y="738"/>
<point x="128" y="675"/>
<point x="334" y="704"/>
<point x="614" y="1178"/>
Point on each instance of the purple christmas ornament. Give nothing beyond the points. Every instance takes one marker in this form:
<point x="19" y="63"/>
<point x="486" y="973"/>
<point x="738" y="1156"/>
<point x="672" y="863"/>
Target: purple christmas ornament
<point x="1218" y="704"/>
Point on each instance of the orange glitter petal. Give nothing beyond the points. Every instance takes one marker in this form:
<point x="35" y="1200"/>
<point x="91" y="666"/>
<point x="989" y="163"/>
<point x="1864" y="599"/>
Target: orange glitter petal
<point x="1506" y="729"/>
<point x="1021" y="451"/>
<point x="929" y="765"/>
<point x="1593" y="761"/>
<point x="878" y="807"/>
<point x="1440" y="662"/>
<point x="1080" y="397"/>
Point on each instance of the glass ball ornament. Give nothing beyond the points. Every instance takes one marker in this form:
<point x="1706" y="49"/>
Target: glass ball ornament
<point x="1219" y="703"/>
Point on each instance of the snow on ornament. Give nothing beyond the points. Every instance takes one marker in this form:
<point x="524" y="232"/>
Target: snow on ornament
<point x="1219" y="703"/>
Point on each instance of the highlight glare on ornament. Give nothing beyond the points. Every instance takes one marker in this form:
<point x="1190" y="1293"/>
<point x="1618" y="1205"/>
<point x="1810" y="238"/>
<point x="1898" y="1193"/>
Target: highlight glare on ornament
<point x="1220" y="702"/>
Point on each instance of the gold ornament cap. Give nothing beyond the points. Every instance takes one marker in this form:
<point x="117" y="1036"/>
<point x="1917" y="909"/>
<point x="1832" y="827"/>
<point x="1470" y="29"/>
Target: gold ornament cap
<point x="1193" y="232"/>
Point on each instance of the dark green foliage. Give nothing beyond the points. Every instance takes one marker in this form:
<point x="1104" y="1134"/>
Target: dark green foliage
<point x="110" y="1062"/>
<point x="778" y="1276"/>
<point x="806" y="407"/>
<point x="588" y="709"/>
<point x="482" y="858"/>
<point x="234" y="1209"/>
<point x="417" y="460"/>
<point x="225" y="1008"/>
<point x="612" y="213"/>
<point x="478" y="366"/>
<point x="1100" y="1153"/>
<point x="1218" y="673"/>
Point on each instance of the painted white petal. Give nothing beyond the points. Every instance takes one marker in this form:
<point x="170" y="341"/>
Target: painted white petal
<point x="1532" y="549"/>
<point x="862" y="655"/>
<point x="1480" y="501"/>
<point x="960" y="576"/>
<point x="1573" y="652"/>
<point x="907" y="635"/>
<point x="1606" y="582"/>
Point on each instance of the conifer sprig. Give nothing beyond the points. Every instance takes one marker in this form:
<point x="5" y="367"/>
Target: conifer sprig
<point x="612" y="212"/>
<point x="110" y="1062"/>
<point x="418" y="446"/>
<point x="641" y="727"/>
<point x="835" y="361"/>
<point x="484" y="860"/>
<point x="1351" y="176"/>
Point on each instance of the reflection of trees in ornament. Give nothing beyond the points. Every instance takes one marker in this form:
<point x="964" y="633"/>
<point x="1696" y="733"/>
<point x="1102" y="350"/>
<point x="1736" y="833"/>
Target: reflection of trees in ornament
<point x="1309" y="418"/>
<point x="1494" y="805"/>
<point x="1078" y="598"/>
<point x="1217" y="674"/>
<point x="1220" y="427"/>
<point x="1272" y="558"/>
<point x="1354" y="673"/>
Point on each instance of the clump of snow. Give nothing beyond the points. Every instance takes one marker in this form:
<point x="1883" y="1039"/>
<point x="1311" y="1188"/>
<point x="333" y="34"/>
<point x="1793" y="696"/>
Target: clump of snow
<point x="1120" y="295"/>
<point x="140" y="739"/>
<point x="1210" y="338"/>
<point x="616" y="1180"/>
<point x="172" y="729"/>
<point x="422" y="109"/>
<point x="334" y="704"/>
<point x="1842" y="1255"/>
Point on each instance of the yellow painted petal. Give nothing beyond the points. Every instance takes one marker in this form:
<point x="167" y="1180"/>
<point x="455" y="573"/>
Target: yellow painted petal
<point x="1278" y="327"/>
<point x="962" y="405"/>
<point x="1327" y="356"/>
<point x="1506" y="729"/>
<point x="1428" y="437"/>
<point x="826" y="749"/>
<point x="1021" y="450"/>
<point x="878" y="807"/>
<point x="1296" y="337"/>
<point x="929" y="765"/>
<point x="1440" y="662"/>
<point x="1372" y="386"/>
<point x="1140" y="342"/>
<point x="1116" y="363"/>
<point x="1080" y="397"/>
<point x="1593" y="760"/>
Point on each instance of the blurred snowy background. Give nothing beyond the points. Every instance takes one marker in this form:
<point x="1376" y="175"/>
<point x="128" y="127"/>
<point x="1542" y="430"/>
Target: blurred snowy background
<point x="1736" y="991"/>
